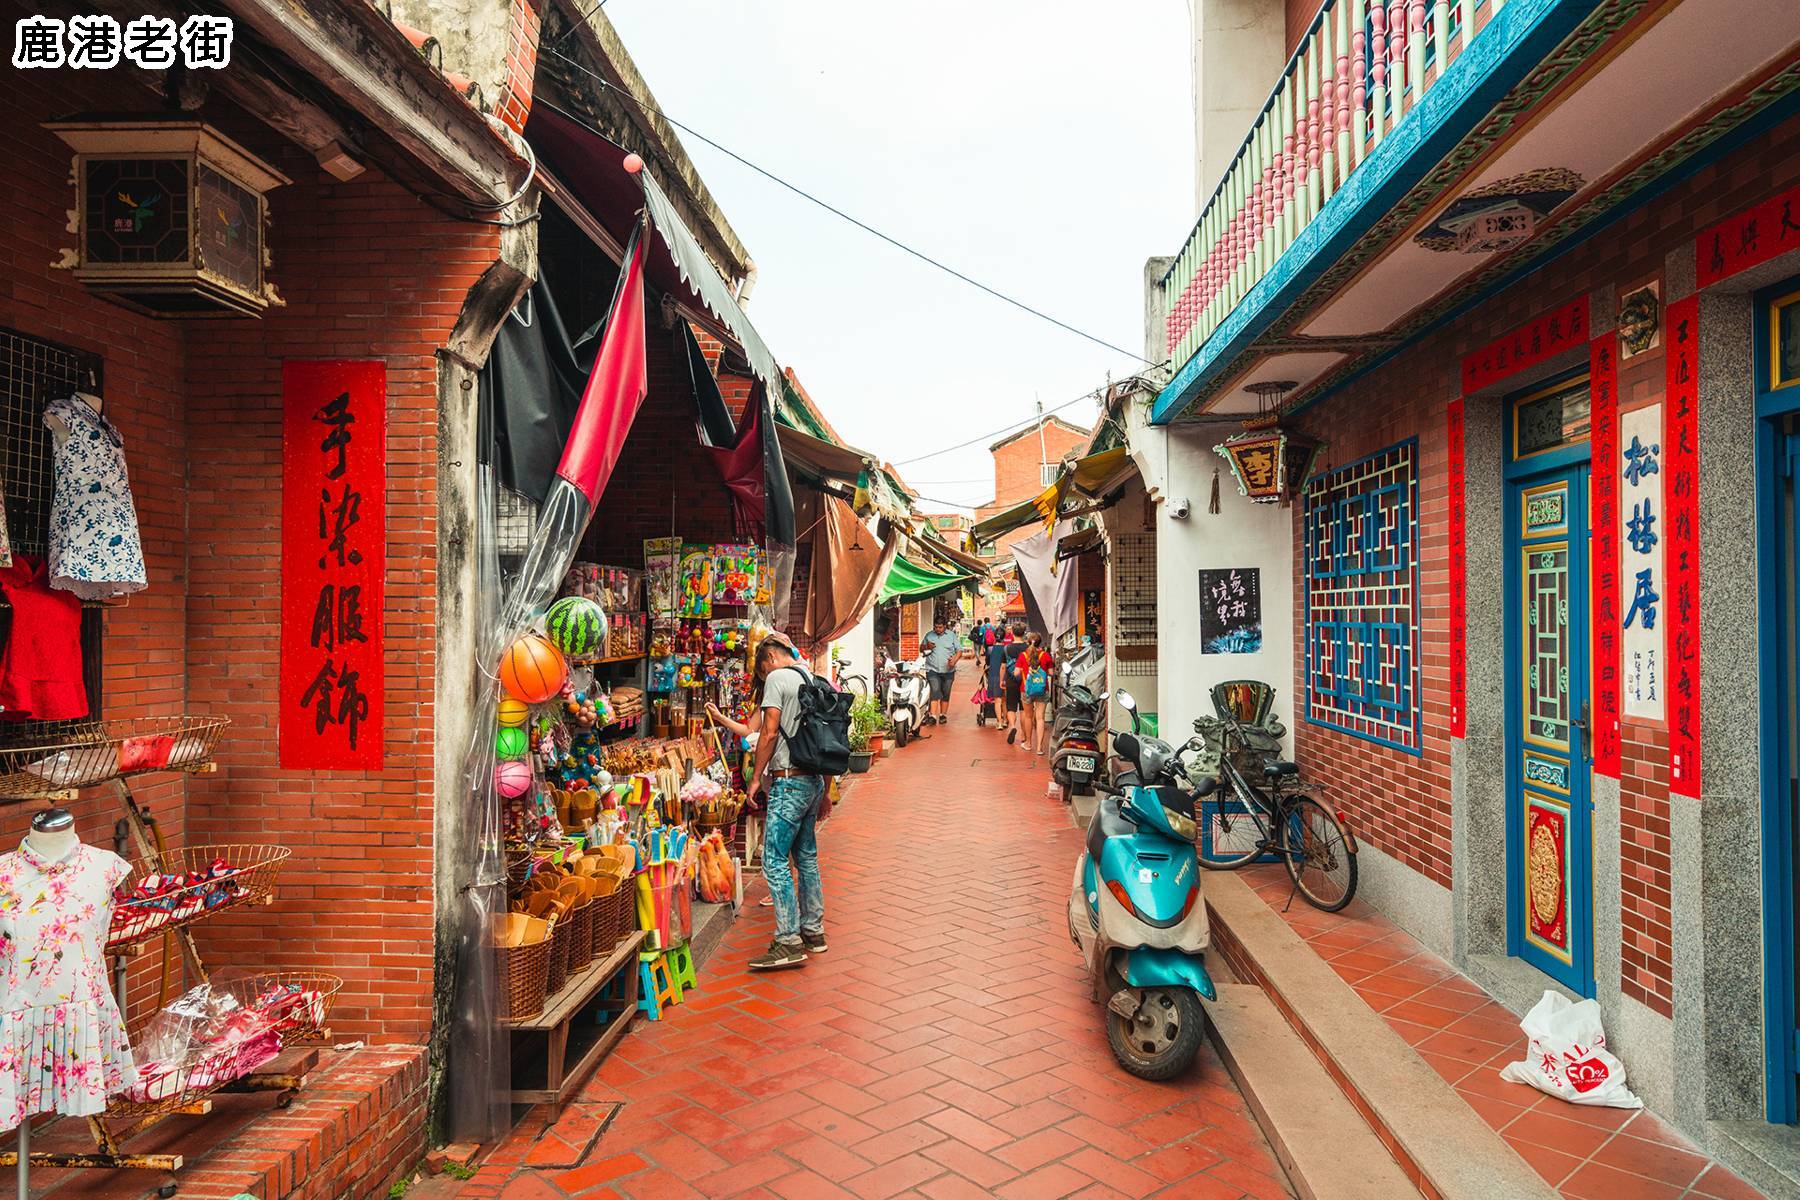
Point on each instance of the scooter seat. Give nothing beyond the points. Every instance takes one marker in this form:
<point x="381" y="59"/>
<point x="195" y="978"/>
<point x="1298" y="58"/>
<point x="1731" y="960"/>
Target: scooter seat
<point x="1279" y="770"/>
<point x="1108" y="822"/>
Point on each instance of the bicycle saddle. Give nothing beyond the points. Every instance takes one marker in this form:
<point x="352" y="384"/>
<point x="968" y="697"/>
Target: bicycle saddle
<point x="1277" y="770"/>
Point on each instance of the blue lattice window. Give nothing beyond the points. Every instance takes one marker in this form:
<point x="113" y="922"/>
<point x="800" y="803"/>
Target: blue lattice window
<point x="1362" y="614"/>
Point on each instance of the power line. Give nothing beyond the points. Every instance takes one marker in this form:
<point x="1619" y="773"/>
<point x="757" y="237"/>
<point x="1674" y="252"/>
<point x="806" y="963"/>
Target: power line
<point x="578" y="23"/>
<point x="1015" y="426"/>
<point x="840" y="213"/>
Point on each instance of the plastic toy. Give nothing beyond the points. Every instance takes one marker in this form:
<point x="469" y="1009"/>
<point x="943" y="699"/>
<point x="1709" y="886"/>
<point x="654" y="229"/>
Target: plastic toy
<point x="532" y="670"/>
<point x="512" y="779"/>
<point x="510" y="743"/>
<point x="513" y="713"/>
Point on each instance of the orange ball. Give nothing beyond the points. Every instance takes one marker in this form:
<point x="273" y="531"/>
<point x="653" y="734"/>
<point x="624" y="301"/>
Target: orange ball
<point x="532" y="670"/>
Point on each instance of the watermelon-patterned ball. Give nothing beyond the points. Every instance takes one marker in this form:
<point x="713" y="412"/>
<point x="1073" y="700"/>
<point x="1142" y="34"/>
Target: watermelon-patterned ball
<point x="576" y="626"/>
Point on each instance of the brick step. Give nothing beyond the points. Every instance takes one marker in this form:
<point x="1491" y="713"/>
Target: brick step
<point x="1328" y="1150"/>
<point x="1441" y="1144"/>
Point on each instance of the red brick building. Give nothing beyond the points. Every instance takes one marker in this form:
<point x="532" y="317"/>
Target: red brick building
<point x="1536" y="646"/>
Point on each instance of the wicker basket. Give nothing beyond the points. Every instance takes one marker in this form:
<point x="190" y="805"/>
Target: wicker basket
<point x="579" y="924"/>
<point x="614" y="915"/>
<point x="557" y="972"/>
<point x="307" y="1022"/>
<point x="38" y="760"/>
<point x="523" y="976"/>
<point x="251" y="880"/>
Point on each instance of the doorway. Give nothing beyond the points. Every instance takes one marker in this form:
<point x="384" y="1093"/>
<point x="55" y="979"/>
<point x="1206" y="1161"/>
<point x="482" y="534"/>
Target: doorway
<point x="1550" y="902"/>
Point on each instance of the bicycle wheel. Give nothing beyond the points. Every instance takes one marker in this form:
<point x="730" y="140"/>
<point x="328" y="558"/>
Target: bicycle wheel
<point x="1318" y="855"/>
<point x="856" y="685"/>
<point x="1228" y="840"/>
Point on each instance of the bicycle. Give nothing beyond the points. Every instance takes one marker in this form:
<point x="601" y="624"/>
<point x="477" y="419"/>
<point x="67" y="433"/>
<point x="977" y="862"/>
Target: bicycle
<point x="844" y="681"/>
<point x="1281" y="818"/>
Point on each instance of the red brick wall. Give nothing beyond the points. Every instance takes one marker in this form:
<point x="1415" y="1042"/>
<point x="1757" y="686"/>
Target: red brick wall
<point x="1299" y="15"/>
<point x="144" y="398"/>
<point x="1398" y="802"/>
<point x="368" y="272"/>
<point x="524" y="24"/>
<point x="1018" y="475"/>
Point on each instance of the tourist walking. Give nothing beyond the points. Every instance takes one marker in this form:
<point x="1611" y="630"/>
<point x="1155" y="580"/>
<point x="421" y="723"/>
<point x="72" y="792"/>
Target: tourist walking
<point x="1034" y="689"/>
<point x="1012" y="683"/>
<point x="796" y="803"/>
<point x="942" y="649"/>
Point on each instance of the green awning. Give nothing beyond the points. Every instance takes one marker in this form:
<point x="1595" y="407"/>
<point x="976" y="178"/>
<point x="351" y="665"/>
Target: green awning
<point x="909" y="582"/>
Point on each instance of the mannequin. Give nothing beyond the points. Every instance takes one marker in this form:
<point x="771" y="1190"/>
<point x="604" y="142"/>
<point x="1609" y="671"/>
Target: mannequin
<point x="57" y="892"/>
<point x="59" y="428"/>
<point x="53" y="836"/>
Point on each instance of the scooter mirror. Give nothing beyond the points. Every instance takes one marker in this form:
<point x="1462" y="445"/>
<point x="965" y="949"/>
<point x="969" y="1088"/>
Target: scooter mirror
<point x="1126" y="702"/>
<point x="1065" y="670"/>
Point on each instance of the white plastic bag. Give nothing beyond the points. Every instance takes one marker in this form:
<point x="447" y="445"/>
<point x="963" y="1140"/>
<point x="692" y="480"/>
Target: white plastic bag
<point x="1566" y="1055"/>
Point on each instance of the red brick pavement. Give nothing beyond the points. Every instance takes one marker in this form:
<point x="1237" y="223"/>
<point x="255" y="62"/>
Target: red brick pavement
<point x="945" y="1047"/>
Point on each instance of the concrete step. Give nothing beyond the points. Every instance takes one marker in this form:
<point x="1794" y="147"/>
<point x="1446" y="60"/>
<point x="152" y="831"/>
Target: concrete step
<point x="1438" y="1141"/>
<point x="1327" y="1149"/>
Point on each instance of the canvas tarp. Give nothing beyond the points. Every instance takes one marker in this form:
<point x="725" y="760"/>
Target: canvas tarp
<point x="1055" y="592"/>
<point x="848" y="564"/>
<point x="908" y="581"/>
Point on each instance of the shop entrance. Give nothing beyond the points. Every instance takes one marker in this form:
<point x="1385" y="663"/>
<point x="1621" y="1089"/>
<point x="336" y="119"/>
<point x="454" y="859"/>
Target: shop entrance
<point x="1778" y="495"/>
<point x="1548" y="718"/>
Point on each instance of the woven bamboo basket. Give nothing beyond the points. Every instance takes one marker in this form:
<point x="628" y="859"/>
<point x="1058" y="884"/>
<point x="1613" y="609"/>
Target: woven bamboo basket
<point x="580" y="926"/>
<point x="304" y="1022"/>
<point x="524" y="976"/>
<point x="614" y="916"/>
<point x="40" y="759"/>
<point x="557" y="972"/>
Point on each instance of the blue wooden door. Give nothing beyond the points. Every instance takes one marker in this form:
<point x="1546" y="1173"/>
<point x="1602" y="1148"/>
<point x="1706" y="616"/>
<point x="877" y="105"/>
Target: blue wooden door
<point x="1549" y="750"/>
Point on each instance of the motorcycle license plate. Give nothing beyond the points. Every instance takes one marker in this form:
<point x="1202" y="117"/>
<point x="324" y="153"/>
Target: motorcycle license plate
<point x="1079" y="762"/>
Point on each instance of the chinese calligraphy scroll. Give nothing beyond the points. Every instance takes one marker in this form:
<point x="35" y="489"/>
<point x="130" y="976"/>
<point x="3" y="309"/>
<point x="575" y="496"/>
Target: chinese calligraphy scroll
<point x="1562" y="329"/>
<point x="1603" y="372"/>
<point x="333" y="554"/>
<point x="1231" y="611"/>
<point x="1749" y="239"/>
<point x="1459" y="582"/>
<point x="1638" y="528"/>
<point x="1681" y="509"/>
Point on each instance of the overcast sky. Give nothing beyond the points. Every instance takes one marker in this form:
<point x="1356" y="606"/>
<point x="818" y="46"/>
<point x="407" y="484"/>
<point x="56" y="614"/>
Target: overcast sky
<point x="1044" y="148"/>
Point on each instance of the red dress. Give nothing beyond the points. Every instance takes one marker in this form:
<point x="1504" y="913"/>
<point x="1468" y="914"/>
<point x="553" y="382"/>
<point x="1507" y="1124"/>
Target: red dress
<point x="40" y="666"/>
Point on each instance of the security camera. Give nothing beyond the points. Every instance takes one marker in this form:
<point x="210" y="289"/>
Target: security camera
<point x="1178" y="508"/>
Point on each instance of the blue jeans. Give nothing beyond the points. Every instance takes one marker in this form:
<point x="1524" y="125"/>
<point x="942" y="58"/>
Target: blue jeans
<point x="790" y="830"/>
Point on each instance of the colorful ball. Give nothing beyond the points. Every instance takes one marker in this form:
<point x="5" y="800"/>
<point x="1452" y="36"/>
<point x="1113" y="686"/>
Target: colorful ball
<point x="576" y="625"/>
<point x="513" y="713"/>
<point x="512" y="779"/>
<point x="532" y="670"/>
<point x="510" y="743"/>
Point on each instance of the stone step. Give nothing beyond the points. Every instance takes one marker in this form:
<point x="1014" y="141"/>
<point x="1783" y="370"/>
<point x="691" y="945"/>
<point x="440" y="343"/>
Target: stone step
<point x="1438" y="1141"/>
<point x="1327" y="1149"/>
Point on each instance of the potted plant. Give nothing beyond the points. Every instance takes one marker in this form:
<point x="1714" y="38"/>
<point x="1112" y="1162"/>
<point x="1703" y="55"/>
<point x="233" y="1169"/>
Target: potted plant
<point x="865" y="720"/>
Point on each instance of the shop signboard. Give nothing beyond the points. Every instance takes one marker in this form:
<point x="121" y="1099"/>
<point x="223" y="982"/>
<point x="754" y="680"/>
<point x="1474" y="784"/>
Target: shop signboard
<point x="1603" y="374"/>
<point x="1231" y="610"/>
<point x="1536" y="341"/>
<point x="333" y="556"/>
<point x="1641" y="582"/>
<point x="1749" y="239"/>
<point x="1681" y="551"/>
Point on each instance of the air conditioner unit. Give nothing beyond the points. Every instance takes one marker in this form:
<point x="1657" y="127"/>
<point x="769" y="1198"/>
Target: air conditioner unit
<point x="170" y="216"/>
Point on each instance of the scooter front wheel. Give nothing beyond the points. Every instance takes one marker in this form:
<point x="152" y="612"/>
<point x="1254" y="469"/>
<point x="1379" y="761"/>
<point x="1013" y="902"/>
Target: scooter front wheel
<point x="1160" y="1040"/>
<point x="900" y="732"/>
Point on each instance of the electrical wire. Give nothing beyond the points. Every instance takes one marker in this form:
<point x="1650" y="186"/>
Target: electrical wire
<point x="840" y="213"/>
<point x="1012" y="428"/>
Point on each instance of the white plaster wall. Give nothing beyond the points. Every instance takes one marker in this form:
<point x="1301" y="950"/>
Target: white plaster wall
<point x="858" y="646"/>
<point x="1241" y="534"/>
<point x="1238" y="56"/>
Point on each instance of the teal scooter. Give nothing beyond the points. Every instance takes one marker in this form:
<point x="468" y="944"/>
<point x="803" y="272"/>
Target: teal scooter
<point x="1135" y="912"/>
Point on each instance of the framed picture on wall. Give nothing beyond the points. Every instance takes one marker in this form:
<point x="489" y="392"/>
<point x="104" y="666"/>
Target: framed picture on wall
<point x="1231" y="610"/>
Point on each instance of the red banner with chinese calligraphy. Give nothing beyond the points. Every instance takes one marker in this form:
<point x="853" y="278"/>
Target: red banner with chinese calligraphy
<point x="1459" y="583"/>
<point x="1561" y="329"/>
<point x="1603" y="386"/>
<point x="1681" y="511"/>
<point x="1749" y="239"/>
<point x="333" y="553"/>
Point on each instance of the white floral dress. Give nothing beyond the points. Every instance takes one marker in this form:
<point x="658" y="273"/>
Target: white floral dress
<point x="62" y="1043"/>
<point x="94" y="547"/>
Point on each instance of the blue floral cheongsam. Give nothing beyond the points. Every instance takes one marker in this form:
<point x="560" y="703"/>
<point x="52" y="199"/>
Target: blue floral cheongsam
<point x="94" y="547"/>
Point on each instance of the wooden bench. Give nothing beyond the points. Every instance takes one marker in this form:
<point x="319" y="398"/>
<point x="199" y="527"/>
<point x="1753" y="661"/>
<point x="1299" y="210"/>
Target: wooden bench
<point x="573" y="1041"/>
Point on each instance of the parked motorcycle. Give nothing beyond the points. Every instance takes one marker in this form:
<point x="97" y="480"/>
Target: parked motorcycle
<point x="1135" y="912"/>
<point x="904" y="699"/>
<point x="1076" y="735"/>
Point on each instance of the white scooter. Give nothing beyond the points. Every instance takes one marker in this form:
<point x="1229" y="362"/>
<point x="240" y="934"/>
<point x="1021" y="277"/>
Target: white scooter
<point x="1135" y="912"/>
<point x="904" y="699"/>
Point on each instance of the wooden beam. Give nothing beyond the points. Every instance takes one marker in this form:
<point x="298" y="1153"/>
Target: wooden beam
<point x="378" y="73"/>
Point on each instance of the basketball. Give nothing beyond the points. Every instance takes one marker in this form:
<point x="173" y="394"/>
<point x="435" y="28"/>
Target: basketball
<point x="512" y="779"/>
<point x="532" y="670"/>
<point x="577" y="626"/>
<point x="510" y="743"/>
<point x="513" y="712"/>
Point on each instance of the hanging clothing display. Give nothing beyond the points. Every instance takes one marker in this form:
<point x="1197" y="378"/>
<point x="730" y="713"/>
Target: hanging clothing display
<point x="5" y="536"/>
<point x="40" y="665"/>
<point x="63" y="1046"/>
<point x="94" y="547"/>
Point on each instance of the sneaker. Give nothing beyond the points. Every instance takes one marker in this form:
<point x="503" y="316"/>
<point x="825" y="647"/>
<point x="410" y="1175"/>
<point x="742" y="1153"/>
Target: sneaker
<point x="814" y="942"/>
<point x="779" y="956"/>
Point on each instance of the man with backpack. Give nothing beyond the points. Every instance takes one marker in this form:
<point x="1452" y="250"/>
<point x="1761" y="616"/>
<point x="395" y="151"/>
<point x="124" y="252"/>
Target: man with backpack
<point x="805" y="726"/>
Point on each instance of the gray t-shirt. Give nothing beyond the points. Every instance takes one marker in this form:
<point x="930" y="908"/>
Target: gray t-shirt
<point x="938" y="649"/>
<point x="782" y="690"/>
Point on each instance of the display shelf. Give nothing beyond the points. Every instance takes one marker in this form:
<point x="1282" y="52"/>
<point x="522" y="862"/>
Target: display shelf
<point x="251" y="880"/>
<point x="590" y="661"/>
<point x="42" y="760"/>
<point x="560" y="1032"/>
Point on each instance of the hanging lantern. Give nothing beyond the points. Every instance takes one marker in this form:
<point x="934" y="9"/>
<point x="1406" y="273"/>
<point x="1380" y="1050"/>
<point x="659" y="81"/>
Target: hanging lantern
<point x="1270" y="464"/>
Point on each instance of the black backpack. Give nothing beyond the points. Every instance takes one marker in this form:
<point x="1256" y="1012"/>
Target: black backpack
<point x="820" y="743"/>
